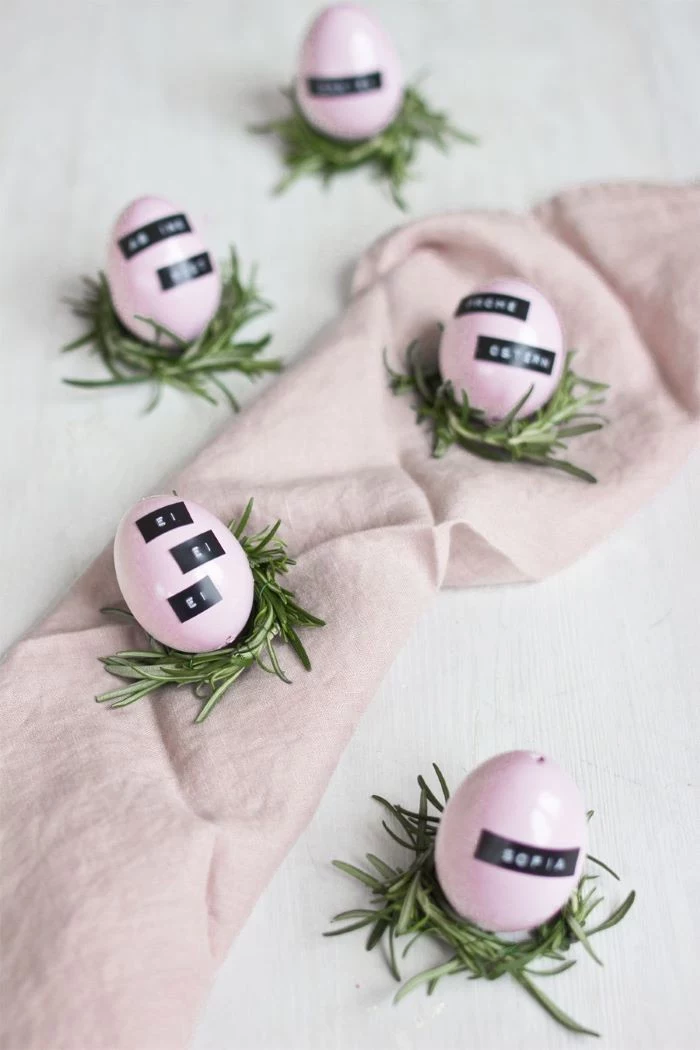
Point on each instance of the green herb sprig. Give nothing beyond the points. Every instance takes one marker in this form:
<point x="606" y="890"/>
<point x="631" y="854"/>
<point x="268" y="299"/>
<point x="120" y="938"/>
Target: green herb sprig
<point x="537" y="439"/>
<point x="408" y="902"/>
<point x="276" y="618"/>
<point x="191" y="367"/>
<point x="390" y="154"/>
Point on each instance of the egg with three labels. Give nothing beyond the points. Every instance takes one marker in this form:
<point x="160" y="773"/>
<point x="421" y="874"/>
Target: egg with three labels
<point x="349" y="84"/>
<point x="511" y="842"/>
<point x="183" y="574"/>
<point x="504" y="339"/>
<point x="159" y="268"/>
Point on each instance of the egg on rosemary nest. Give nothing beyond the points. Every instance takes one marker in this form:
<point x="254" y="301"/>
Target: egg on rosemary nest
<point x="511" y="842"/>
<point x="504" y="339"/>
<point x="349" y="84"/>
<point x="159" y="268"/>
<point x="184" y="576"/>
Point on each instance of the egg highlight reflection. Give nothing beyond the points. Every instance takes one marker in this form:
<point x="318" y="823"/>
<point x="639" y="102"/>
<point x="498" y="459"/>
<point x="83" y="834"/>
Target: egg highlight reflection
<point x="511" y="842"/>
<point x="184" y="576"/>
<point x="349" y="83"/>
<point x="158" y="267"/>
<point x="503" y="339"/>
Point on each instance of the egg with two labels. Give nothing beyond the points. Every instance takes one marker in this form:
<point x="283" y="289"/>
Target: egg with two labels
<point x="184" y="576"/>
<point x="504" y="340"/>
<point x="159" y="268"/>
<point x="511" y="842"/>
<point x="349" y="84"/>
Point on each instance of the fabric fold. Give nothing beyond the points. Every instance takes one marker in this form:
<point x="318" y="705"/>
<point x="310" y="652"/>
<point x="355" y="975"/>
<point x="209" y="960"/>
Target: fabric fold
<point x="135" y="843"/>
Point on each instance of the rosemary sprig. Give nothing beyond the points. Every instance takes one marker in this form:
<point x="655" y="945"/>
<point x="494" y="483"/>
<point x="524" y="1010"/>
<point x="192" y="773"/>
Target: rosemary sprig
<point x="276" y="617"/>
<point x="192" y="367"/>
<point x="407" y="901"/>
<point x="390" y="154"/>
<point x="535" y="439"/>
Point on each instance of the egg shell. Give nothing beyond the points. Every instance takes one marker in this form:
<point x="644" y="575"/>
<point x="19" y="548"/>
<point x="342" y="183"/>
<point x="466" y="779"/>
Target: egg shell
<point x="193" y="596"/>
<point x="347" y="45"/>
<point x="516" y="799"/>
<point x="493" y="382"/>
<point x="139" y="278"/>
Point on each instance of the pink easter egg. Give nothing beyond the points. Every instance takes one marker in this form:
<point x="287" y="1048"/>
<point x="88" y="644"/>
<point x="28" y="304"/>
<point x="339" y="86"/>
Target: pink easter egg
<point x="184" y="576"/>
<point x="158" y="267"/>
<point x="349" y="84"/>
<point x="503" y="339"/>
<point x="511" y="842"/>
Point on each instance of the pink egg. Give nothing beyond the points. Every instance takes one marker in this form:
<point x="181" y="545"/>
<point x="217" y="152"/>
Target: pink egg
<point x="503" y="339"/>
<point x="349" y="83"/>
<point x="511" y="842"/>
<point x="182" y="573"/>
<point x="158" y="267"/>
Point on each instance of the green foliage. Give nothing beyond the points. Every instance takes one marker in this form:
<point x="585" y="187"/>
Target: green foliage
<point x="191" y="367"/>
<point x="535" y="439"/>
<point x="407" y="901"/>
<point x="276" y="618"/>
<point x="390" y="155"/>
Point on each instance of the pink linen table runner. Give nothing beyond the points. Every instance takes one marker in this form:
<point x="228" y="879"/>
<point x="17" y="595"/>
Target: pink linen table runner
<point x="135" y="843"/>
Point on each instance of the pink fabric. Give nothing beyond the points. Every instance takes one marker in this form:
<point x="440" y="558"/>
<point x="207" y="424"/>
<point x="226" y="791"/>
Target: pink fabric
<point x="136" y="843"/>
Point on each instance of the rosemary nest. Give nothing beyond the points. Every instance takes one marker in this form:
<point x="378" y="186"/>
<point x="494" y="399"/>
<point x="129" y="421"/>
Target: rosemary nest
<point x="407" y="901"/>
<point x="195" y="367"/>
<point x="390" y="155"/>
<point x="276" y="618"/>
<point x="537" y="439"/>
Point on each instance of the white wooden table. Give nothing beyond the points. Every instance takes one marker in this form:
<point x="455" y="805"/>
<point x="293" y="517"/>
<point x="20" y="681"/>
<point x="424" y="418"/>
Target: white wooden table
<point x="101" y="102"/>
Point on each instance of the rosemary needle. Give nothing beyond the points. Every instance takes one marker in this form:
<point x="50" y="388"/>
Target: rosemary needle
<point x="191" y="367"/>
<point x="537" y="439"/>
<point x="276" y="618"/>
<point x="390" y="154"/>
<point x="408" y="902"/>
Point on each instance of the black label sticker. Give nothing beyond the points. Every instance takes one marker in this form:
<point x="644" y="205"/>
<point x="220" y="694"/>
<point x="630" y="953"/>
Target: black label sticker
<point x="488" y="303"/>
<point x="186" y="270"/>
<point x="532" y="860"/>
<point x="194" y="600"/>
<point x="160" y="230"/>
<point x="331" y="87"/>
<point x="157" y="522"/>
<point x="519" y="355"/>
<point x="196" y="551"/>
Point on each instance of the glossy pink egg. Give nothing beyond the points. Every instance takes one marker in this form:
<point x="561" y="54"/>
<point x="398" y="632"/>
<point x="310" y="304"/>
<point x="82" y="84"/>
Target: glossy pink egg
<point x="159" y="267"/>
<point x="503" y="339"/>
<point x="349" y="83"/>
<point x="182" y="573"/>
<point x="511" y="842"/>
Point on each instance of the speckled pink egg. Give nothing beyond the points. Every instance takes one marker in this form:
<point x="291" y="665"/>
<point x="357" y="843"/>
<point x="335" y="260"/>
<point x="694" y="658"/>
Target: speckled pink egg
<point x="349" y="83"/>
<point x="511" y="842"/>
<point x="158" y="267"/>
<point x="182" y="573"/>
<point x="503" y="339"/>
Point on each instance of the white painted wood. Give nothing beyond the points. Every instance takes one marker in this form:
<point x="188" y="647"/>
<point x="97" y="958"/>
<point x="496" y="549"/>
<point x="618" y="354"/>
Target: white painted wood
<point x="600" y="667"/>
